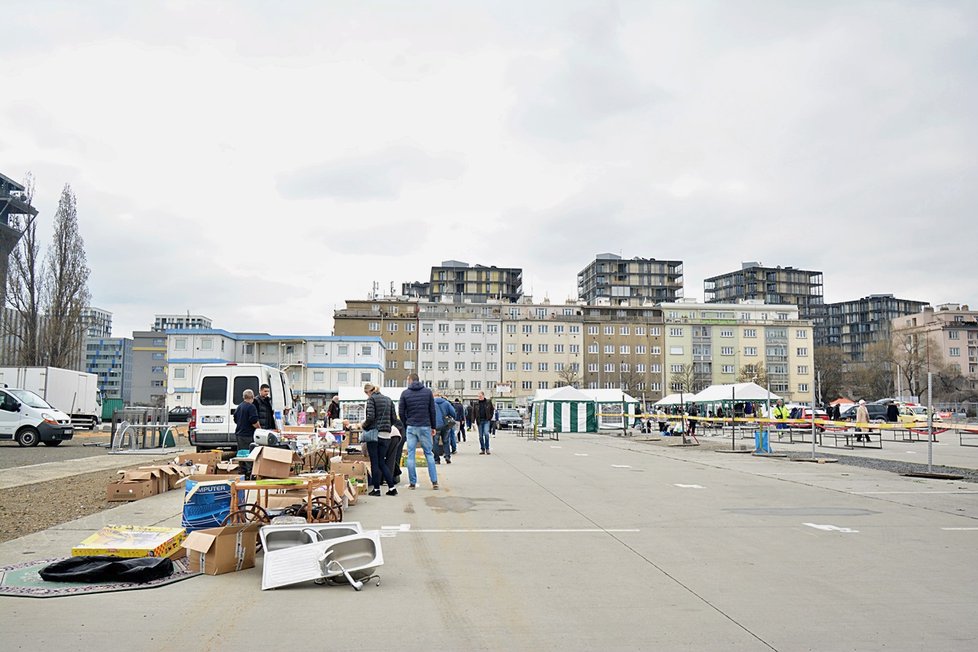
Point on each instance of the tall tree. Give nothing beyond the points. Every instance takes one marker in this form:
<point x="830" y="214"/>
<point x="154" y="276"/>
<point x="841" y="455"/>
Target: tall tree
<point x="684" y="379"/>
<point x="569" y="375"/>
<point x="910" y="355"/>
<point x="25" y="291"/>
<point x="753" y="373"/>
<point x="66" y="285"/>
<point x="830" y="367"/>
<point x="872" y="377"/>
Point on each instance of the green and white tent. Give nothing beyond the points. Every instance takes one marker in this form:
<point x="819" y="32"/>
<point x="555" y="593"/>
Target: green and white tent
<point x="565" y="410"/>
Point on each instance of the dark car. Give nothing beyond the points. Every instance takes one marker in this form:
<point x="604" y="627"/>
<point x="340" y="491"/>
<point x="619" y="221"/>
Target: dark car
<point x="877" y="413"/>
<point x="179" y="415"/>
<point x="509" y="418"/>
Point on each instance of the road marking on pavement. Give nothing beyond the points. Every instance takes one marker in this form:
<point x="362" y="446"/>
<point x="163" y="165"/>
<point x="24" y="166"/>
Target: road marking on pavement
<point x="392" y="530"/>
<point x="580" y="454"/>
<point x="593" y="530"/>
<point x="831" y="528"/>
<point x="620" y="466"/>
<point x="910" y="452"/>
<point x="690" y="486"/>
<point x="960" y="529"/>
<point x="875" y="493"/>
<point x="556" y="447"/>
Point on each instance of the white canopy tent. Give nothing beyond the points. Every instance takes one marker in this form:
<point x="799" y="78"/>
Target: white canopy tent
<point x="610" y="403"/>
<point x="669" y="401"/>
<point x="565" y="409"/>
<point x="728" y="396"/>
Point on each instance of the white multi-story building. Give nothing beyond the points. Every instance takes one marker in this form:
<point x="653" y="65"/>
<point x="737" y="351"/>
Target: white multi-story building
<point x="459" y="351"/>
<point x="167" y="322"/>
<point x="316" y="365"/>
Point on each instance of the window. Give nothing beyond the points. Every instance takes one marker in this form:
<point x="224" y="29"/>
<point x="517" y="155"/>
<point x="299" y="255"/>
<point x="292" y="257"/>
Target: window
<point x="459" y="366"/>
<point x="574" y="329"/>
<point x="803" y="387"/>
<point x="640" y="368"/>
<point x="365" y="377"/>
<point x="510" y="366"/>
<point x="558" y="348"/>
<point x="492" y="347"/>
<point x="214" y="390"/>
<point x="392" y="327"/>
<point x="558" y="329"/>
<point x="443" y="347"/>
<point x="373" y="326"/>
<point x="392" y="346"/>
<point x="319" y="349"/>
<point x="426" y="365"/>
<point x="640" y="330"/>
<point x="366" y="350"/>
<point x="159" y="342"/>
<point x="750" y="332"/>
<point x="475" y="384"/>
<point x="592" y="348"/>
<point x="803" y="370"/>
<point x="558" y="366"/>
<point x="476" y="366"/>
<point x="726" y="350"/>
<point x="656" y="350"/>
<point x="443" y="365"/>
<point x="750" y="350"/>
<point x="442" y="328"/>
<point x="592" y="368"/>
<point x="459" y="328"/>
<point x="625" y="367"/>
<point x="543" y="329"/>
<point x="676" y="350"/>
<point x="728" y="368"/>
<point x="609" y="348"/>
<point x="654" y="331"/>
<point x="575" y="349"/>
<point x="180" y="344"/>
<point x="492" y="328"/>
<point x="476" y="328"/>
<point x="179" y="373"/>
<point x="318" y="376"/>
<point x="343" y="349"/>
<point x="527" y="328"/>
<point x="527" y="384"/>
<point x="527" y="348"/>
<point x="609" y="330"/>
<point x="158" y="356"/>
<point x="543" y="348"/>
<point x="624" y="349"/>
<point x="543" y="367"/>
<point x="623" y="330"/>
<point x="953" y="335"/>
<point x="675" y="368"/>
<point x="442" y="384"/>
<point x="427" y="347"/>
<point x="410" y="327"/>
<point x="802" y="351"/>
<point x="656" y="368"/>
<point x="726" y="332"/>
<point x="609" y="366"/>
<point x="207" y="344"/>
<point x="592" y="330"/>
<point x="459" y="347"/>
<point x="475" y="347"/>
<point x="510" y="328"/>
<point x="954" y="351"/>
<point x="801" y="334"/>
<point x="527" y="366"/>
<point x="543" y="384"/>
<point x="510" y="348"/>
<point x="492" y="366"/>
<point x="675" y="332"/>
<point x="410" y="346"/>
<point x="342" y="377"/>
<point x="249" y="349"/>
<point x="157" y="383"/>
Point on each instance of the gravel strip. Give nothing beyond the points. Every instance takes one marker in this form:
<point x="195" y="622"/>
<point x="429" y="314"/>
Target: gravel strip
<point x="893" y="466"/>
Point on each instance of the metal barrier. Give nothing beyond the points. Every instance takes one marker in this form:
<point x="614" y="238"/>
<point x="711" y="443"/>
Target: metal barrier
<point x="137" y="429"/>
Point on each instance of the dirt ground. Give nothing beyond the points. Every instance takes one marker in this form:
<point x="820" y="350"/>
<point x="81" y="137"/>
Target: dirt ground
<point x="35" y="507"/>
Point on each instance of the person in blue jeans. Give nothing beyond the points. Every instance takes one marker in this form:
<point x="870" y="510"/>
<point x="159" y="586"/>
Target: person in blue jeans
<point x="482" y="413"/>
<point x="417" y="411"/>
<point x="444" y="442"/>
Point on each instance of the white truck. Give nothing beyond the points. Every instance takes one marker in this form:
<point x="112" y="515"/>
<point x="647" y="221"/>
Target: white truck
<point x="75" y="393"/>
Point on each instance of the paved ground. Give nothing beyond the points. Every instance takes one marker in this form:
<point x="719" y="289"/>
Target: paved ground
<point x="593" y="541"/>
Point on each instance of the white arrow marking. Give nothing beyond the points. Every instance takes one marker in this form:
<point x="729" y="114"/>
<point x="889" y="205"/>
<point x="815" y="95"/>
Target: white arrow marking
<point x="831" y="528"/>
<point x="620" y="466"/>
<point x="690" y="486"/>
<point x="960" y="529"/>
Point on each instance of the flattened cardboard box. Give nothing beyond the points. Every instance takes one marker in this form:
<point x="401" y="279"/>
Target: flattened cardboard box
<point x="131" y="541"/>
<point x="222" y="549"/>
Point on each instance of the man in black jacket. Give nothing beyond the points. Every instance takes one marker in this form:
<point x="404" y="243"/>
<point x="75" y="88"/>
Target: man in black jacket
<point x="417" y="411"/>
<point x="266" y="413"/>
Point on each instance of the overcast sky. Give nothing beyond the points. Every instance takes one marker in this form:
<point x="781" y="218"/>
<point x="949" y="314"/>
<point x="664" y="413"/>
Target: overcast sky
<point x="261" y="162"/>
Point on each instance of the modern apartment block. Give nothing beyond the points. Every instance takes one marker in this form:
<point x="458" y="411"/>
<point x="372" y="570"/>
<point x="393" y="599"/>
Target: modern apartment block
<point x="610" y="279"/>
<point x="96" y="322"/>
<point x="167" y="322"/>
<point x="461" y="283"/>
<point x="719" y="340"/>
<point x="316" y="365"/>
<point x="391" y="318"/>
<point x="149" y="368"/>
<point x="854" y="325"/>
<point x="951" y="329"/>
<point x="110" y="358"/>
<point x="774" y="285"/>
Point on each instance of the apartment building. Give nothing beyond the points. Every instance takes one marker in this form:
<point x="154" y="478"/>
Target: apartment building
<point x="316" y="365"/>
<point x="542" y="348"/>
<point x="395" y="320"/>
<point x="719" y="340"/>
<point x="610" y="279"/>
<point x="854" y="325"/>
<point x="148" y="368"/>
<point x="15" y="211"/>
<point x="110" y="358"/>
<point x="948" y="332"/>
<point x="168" y="322"/>
<point x="623" y="347"/>
<point x="773" y="285"/>
<point x="459" y="348"/>
<point x="461" y="283"/>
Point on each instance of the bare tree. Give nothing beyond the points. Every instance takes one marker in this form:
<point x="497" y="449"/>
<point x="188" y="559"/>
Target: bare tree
<point x="25" y="291"/>
<point x="830" y="366"/>
<point x="753" y="373"/>
<point x="66" y="285"/>
<point x="569" y="375"/>
<point x="910" y="353"/>
<point x="872" y="377"/>
<point x="684" y="379"/>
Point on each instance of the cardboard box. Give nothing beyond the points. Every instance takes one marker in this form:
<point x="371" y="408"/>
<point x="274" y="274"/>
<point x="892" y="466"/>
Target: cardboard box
<point x="222" y="549"/>
<point x="231" y="466"/>
<point x="152" y="473"/>
<point x="131" y="541"/>
<point x="271" y="462"/>
<point x="355" y="469"/>
<point x="210" y="458"/>
<point x="126" y="490"/>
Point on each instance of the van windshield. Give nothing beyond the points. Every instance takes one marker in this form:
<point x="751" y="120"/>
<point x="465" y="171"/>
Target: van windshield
<point x="30" y="398"/>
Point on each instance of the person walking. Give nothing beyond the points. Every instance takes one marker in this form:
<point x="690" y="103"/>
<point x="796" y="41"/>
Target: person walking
<point x="892" y="412"/>
<point x="460" y="417"/>
<point x="376" y="429"/>
<point x="780" y="412"/>
<point x="263" y="403"/>
<point x="444" y="426"/>
<point x="862" y="417"/>
<point x="333" y="411"/>
<point x="692" y="416"/>
<point x="482" y="414"/>
<point x="417" y="410"/>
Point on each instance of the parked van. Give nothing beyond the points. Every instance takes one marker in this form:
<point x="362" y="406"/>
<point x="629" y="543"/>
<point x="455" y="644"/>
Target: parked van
<point x="219" y="391"/>
<point x="28" y="419"/>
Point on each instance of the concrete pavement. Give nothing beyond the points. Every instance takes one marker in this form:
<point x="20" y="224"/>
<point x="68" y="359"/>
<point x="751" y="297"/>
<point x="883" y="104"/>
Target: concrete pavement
<point x="592" y="541"/>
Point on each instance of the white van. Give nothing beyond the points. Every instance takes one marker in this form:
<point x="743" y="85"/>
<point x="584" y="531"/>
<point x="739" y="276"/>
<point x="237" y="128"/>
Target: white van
<point x="28" y="419"/>
<point x="219" y="390"/>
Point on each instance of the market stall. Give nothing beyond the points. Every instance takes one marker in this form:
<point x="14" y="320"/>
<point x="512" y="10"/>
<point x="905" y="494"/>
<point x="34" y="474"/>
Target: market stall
<point x="611" y="403"/>
<point x="729" y="397"/>
<point x="565" y="410"/>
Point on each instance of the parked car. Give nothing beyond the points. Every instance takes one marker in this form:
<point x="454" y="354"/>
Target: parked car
<point x="915" y="415"/>
<point x="179" y="414"/>
<point x="509" y="418"/>
<point x="877" y="413"/>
